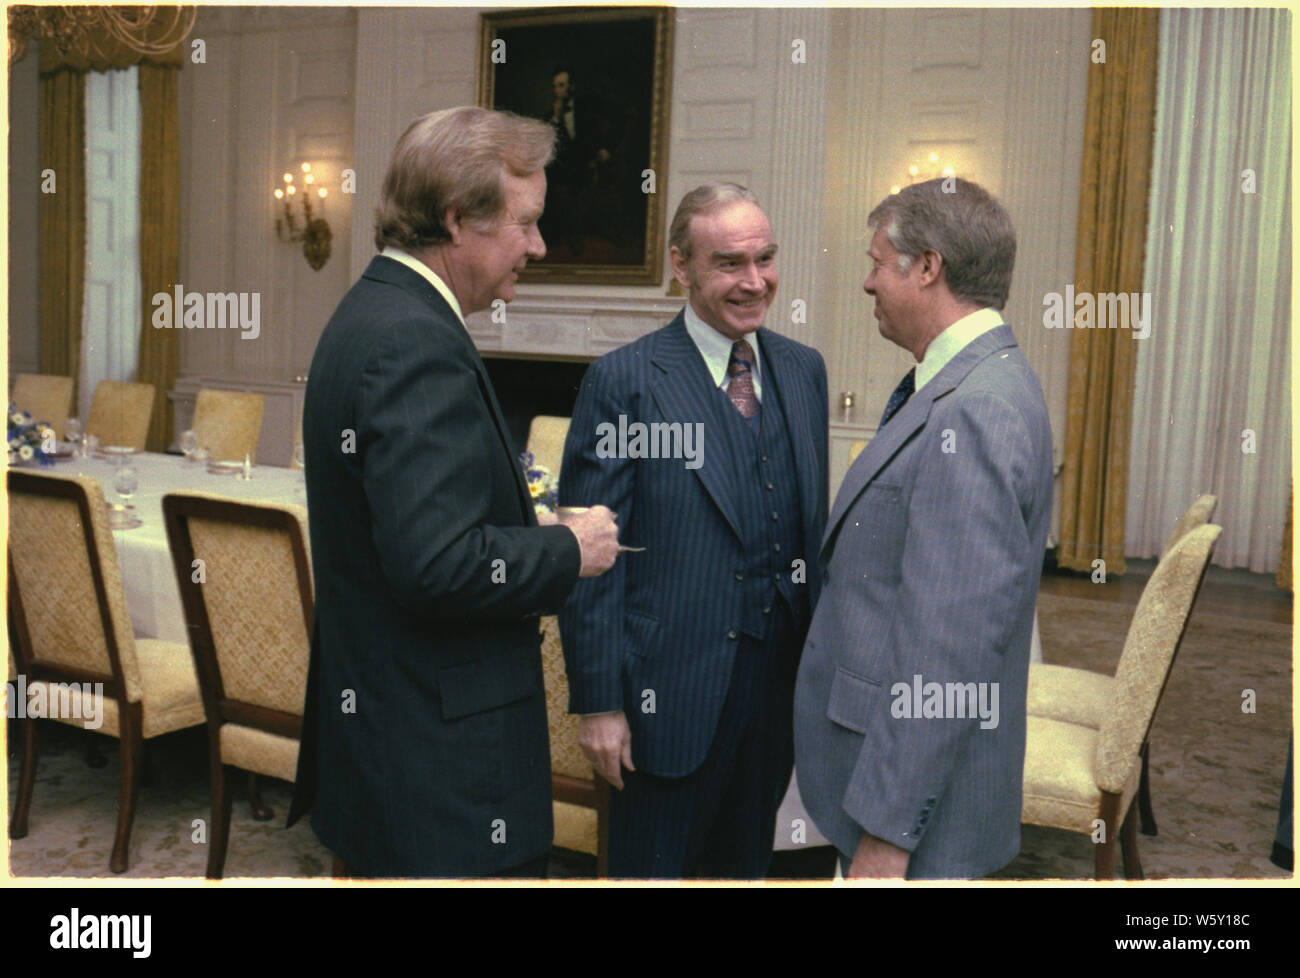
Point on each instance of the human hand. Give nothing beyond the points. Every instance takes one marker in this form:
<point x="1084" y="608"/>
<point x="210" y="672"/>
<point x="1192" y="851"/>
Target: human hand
<point x="606" y="739"/>
<point x="877" y="859"/>
<point x="597" y="535"/>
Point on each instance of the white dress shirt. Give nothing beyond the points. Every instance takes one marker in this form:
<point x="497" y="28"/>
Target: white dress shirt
<point x="430" y="276"/>
<point x="716" y="350"/>
<point x="952" y="341"/>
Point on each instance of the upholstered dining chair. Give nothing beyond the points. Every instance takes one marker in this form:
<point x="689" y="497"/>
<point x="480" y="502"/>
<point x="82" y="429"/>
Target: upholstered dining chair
<point x="580" y="797"/>
<point x="1084" y="779"/>
<point x="546" y="437"/>
<point x="45" y="397"/>
<point x="244" y="571"/>
<point x="120" y="413"/>
<point x="228" y="423"/>
<point x="1081" y="696"/>
<point x="70" y="625"/>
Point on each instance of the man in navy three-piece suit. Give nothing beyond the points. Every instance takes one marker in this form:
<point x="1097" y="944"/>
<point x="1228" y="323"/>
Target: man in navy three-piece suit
<point x="708" y="439"/>
<point x="932" y="558"/>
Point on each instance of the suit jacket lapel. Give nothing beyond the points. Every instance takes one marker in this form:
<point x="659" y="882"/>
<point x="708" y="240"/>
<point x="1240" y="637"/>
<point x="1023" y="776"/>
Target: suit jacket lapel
<point x="909" y="419"/>
<point x="776" y="370"/>
<point x="686" y="393"/>
<point x="395" y="273"/>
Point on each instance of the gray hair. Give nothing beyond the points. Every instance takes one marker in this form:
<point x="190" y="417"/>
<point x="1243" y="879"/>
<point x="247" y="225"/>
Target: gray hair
<point x="704" y="198"/>
<point x="455" y="159"/>
<point x="966" y="225"/>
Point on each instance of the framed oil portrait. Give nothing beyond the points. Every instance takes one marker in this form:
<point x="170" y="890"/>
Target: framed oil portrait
<point x="599" y="76"/>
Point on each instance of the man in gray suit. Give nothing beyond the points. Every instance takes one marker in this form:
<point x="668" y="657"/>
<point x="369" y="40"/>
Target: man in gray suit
<point x="910" y="704"/>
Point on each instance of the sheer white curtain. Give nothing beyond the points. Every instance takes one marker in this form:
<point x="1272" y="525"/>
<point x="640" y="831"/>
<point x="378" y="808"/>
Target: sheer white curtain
<point x="1214" y="373"/>
<point x="110" y="323"/>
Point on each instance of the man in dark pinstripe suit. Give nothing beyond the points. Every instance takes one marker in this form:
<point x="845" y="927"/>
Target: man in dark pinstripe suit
<point x="682" y="659"/>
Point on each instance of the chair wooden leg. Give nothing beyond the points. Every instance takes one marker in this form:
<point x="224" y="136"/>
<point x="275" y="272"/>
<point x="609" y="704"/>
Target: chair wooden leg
<point x="219" y="830"/>
<point x="26" y="780"/>
<point x="1104" y="858"/>
<point x="1144" y="795"/>
<point x="131" y="751"/>
<point x="1129" y="844"/>
<point x="260" y="812"/>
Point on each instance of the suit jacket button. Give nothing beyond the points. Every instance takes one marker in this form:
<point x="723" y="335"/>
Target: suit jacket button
<point x="731" y="634"/>
<point x="739" y="576"/>
<point x="767" y="611"/>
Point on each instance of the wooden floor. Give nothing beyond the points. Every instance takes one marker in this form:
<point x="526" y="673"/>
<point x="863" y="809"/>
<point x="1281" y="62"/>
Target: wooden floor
<point x="1238" y="593"/>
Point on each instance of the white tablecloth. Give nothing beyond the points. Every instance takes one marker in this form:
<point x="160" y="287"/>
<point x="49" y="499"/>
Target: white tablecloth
<point x="148" y="576"/>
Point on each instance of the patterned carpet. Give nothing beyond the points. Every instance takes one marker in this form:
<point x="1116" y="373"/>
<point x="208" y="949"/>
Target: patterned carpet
<point x="1216" y="774"/>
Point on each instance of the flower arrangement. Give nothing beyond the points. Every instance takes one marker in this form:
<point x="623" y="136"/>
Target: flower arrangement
<point x="542" y="486"/>
<point x="28" y="439"/>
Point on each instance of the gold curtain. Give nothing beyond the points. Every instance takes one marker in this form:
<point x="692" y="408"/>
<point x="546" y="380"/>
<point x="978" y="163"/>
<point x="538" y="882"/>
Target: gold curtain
<point x="63" y="214"/>
<point x="62" y="233"/>
<point x="1109" y="251"/>
<point x="160" y="230"/>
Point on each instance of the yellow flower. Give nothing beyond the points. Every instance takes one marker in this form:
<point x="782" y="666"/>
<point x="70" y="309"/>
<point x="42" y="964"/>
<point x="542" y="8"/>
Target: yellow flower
<point x="536" y="490"/>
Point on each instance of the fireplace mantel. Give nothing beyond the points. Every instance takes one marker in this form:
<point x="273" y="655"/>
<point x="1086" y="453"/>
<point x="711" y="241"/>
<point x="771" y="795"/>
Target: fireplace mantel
<point x="572" y="326"/>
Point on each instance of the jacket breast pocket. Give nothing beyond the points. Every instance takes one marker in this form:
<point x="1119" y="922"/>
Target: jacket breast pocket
<point x="871" y="539"/>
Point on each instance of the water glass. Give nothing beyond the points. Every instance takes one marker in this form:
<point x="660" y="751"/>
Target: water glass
<point x="126" y="482"/>
<point x="189" y="442"/>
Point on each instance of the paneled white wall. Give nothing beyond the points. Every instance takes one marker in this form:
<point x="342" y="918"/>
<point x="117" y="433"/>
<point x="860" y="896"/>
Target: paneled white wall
<point x="818" y="129"/>
<point x="1001" y="94"/>
<point x="741" y="110"/>
<point x="277" y="88"/>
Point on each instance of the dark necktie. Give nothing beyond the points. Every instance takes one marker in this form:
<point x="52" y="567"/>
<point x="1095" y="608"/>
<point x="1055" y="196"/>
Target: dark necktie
<point x="902" y="392"/>
<point x="740" y="368"/>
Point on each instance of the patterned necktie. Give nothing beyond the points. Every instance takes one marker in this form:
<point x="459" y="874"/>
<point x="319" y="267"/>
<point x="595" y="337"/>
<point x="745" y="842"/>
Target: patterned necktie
<point x="740" y="368"/>
<point x="902" y="392"/>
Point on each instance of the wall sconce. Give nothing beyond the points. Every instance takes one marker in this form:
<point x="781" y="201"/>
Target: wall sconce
<point x="314" y="233"/>
<point x="932" y="169"/>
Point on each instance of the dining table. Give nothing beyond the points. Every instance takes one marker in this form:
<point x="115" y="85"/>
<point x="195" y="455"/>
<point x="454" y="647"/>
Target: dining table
<point x="148" y="575"/>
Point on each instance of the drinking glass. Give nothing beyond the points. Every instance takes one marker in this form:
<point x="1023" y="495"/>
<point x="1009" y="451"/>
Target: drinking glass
<point x="126" y="482"/>
<point x="189" y="443"/>
<point x="72" y="431"/>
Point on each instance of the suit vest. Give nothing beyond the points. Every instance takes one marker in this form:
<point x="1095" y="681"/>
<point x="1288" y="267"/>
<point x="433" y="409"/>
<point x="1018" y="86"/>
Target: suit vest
<point x="771" y="521"/>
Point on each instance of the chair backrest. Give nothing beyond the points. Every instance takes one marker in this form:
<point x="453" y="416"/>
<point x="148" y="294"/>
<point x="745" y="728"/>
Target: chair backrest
<point x="68" y="611"/>
<point x="566" y="756"/>
<point x="228" y="423"/>
<point x="1153" y="638"/>
<point x="245" y="582"/>
<point x="45" y="397"/>
<point x="546" y="437"/>
<point x="120" y="413"/>
<point x="856" y="449"/>
<point x="1198" y="514"/>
